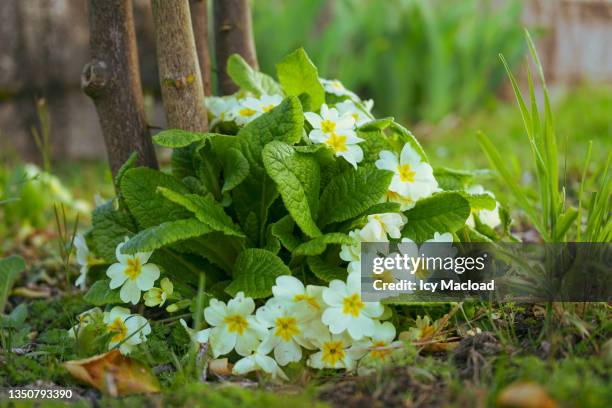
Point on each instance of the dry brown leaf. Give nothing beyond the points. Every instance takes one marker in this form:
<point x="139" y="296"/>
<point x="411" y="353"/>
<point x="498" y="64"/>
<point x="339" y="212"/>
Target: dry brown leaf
<point x="525" y="395"/>
<point x="220" y="367"/>
<point x="114" y="374"/>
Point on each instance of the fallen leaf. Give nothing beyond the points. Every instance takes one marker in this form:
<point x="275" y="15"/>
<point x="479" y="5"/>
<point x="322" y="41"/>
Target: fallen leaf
<point x="525" y="395"/>
<point x="42" y="293"/>
<point x="220" y="367"/>
<point x="114" y="374"/>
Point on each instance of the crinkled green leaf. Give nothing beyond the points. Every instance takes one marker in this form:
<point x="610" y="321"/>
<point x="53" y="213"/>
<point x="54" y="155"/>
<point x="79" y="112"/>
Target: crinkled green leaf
<point x="208" y="169"/>
<point x="374" y="142"/>
<point x="479" y="201"/>
<point x="206" y="209"/>
<point x="406" y="136"/>
<point x="110" y="227"/>
<point x="250" y="80"/>
<point x="376" y="124"/>
<point x="164" y="234"/>
<point x="283" y="230"/>
<point x="100" y="294"/>
<point x="298" y="75"/>
<point x="297" y="179"/>
<point x="318" y="245"/>
<point x="139" y="188"/>
<point x="442" y="212"/>
<point x="179" y="138"/>
<point x="215" y="247"/>
<point x="255" y="272"/>
<point x="324" y="270"/>
<point x="9" y="270"/>
<point x="253" y="197"/>
<point x="352" y="192"/>
<point x="235" y="165"/>
<point x="451" y="179"/>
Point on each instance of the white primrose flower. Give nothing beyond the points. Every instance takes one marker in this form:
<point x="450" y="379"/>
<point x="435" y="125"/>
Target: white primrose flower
<point x="84" y="319"/>
<point x="158" y="296"/>
<point x="333" y="86"/>
<point x="133" y="274"/>
<point x="333" y="352"/>
<point x="259" y="361"/>
<point x="222" y="108"/>
<point x="84" y="259"/>
<point x="336" y="132"/>
<point x="376" y="348"/>
<point x="250" y="108"/>
<point x="489" y="218"/>
<point x="126" y="329"/>
<point x="352" y="253"/>
<point x="412" y="177"/>
<point x="200" y="336"/>
<point x="440" y="246"/>
<point x="359" y="114"/>
<point x="290" y="328"/>
<point x="381" y="225"/>
<point x="292" y="291"/>
<point x="234" y="326"/>
<point x="346" y="311"/>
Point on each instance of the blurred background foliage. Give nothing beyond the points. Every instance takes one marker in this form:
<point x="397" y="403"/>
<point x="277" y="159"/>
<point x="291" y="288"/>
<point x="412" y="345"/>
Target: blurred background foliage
<point x="418" y="59"/>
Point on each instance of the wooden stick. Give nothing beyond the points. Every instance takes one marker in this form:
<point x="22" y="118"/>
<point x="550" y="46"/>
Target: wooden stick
<point x="112" y="80"/>
<point x="199" y="21"/>
<point x="179" y="70"/>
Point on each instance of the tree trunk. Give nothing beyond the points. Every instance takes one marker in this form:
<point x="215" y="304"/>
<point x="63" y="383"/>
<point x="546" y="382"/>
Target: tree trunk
<point x="233" y="35"/>
<point x="179" y="70"/>
<point x="199" y="20"/>
<point x="112" y="80"/>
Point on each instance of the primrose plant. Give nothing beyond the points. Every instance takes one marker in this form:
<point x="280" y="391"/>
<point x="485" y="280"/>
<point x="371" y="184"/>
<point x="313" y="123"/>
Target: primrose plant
<point x="271" y="207"/>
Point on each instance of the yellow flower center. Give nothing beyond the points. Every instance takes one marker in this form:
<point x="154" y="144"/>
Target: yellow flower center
<point x="267" y="108"/>
<point x="380" y="354"/>
<point x="422" y="273"/>
<point x="286" y="328"/>
<point x="119" y="329"/>
<point x="332" y="353"/>
<point x="352" y="304"/>
<point x="308" y="299"/>
<point x="337" y="143"/>
<point x="386" y="276"/>
<point x="406" y="173"/>
<point x="337" y="85"/>
<point x="134" y="268"/>
<point x="356" y="117"/>
<point x="236" y="324"/>
<point x="246" y="112"/>
<point x="328" y="126"/>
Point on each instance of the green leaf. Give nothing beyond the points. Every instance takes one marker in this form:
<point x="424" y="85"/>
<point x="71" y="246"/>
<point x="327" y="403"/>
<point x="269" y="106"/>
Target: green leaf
<point x="283" y="230"/>
<point x="9" y="270"/>
<point x="255" y="272"/>
<point x="179" y="138"/>
<point x="352" y="192"/>
<point x="374" y="142"/>
<point x="298" y="75"/>
<point x="139" y="187"/>
<point x="324" y="270"/>
<point x="130" y="163"/>
<point x="110" y="227"/>
<point x="442" y="212"/>
<point x="206" y="209"/>
<point x="406" y="136"/>
<point x="376" y="124"/>
<point x="480" y="201"/>
<point x="250" y="80"/>
<point x="100" y="294"/>
<point x="451" y="179"/>
<point x="297" y="178"/>
<point x="318" y="245"/>
<point x="164" y="234"/>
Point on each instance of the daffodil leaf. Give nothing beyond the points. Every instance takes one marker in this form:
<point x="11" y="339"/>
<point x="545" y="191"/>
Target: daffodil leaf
<point x="253" y="197"/>
<point x="298" y="75"/>
<point x="297" y="178"/>
<point x="110" y="227"/>
<point x="165" y="234"/>
<point x="9" y="270"/>
<point x="352" y="192"/>
<point x="283" y="230"/>
<point x="249" y="79"/>
<point x="100" y="294"/>
<point x="206" y="209"/>
<point x="139" y="189"/>
<point x="318" y="245"/>
<point x="179" y="138"/>
<point x="442" y="212"/>
<point x="255" y="272"/>
<point x="405" y="136"/>
<point x="324" y="270"/>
